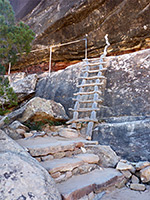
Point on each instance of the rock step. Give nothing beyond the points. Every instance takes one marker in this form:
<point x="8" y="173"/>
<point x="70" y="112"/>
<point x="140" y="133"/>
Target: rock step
<point x="81" y="185"/>
<point x="42" y="146"/>
<point x="68" y="164"/>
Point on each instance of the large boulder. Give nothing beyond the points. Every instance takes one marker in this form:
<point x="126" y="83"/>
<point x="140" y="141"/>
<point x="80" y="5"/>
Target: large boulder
<point x="127" y="87"/>
<point x="38" y="109"/>
<point x="127" y="136"/>
<point x="22" y="177"/>
<point x="25" y="86"/>
<point x="54" y="22"/>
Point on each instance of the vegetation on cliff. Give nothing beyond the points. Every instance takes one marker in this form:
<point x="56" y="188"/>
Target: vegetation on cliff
<point x="14" y="39"/>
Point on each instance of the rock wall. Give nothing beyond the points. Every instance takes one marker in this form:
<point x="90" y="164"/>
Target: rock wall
<point x="126" y="22"/>
<point x="127" y="87"/>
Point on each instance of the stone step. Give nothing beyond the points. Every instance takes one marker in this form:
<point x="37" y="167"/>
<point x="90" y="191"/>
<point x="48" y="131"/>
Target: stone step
<point x="95" y="181"/>
<point x="68" y="164"/>
<point x="90" y="84"/>
<point x="92" y="77"/>
<point x="44" y="146"/>
<point x="61" y="165"/>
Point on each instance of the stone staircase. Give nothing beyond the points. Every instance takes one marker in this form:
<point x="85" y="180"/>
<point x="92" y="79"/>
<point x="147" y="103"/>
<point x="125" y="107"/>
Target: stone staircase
<point x="88" y="98"/>
<point x="77" y="171"/>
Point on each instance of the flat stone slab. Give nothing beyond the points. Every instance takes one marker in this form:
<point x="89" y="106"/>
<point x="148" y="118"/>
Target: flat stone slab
<point x="62" y="165"/>
<point x="81" y="185"/>
<point x="127" y="194"/>
<point x="41" y="146"/>
<point x="88" y="158"/>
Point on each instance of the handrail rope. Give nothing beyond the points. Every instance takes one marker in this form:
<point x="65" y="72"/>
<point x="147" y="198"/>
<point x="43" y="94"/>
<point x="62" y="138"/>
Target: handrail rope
<point x="53" y="46"/>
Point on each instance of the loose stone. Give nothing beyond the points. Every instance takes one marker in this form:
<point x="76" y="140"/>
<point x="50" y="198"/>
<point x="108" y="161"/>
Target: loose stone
<point x="137" y="187"/>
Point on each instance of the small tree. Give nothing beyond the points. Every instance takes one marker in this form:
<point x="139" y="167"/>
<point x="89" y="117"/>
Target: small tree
<point x="14" y="39"/>
<point x="8" y="98"/>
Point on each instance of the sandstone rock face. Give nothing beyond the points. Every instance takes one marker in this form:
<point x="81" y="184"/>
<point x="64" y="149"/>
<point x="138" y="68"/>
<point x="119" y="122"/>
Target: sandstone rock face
<point x="21" y="175"/>
<point x="54" y="22"/>
<point x="25" y="87"/>
<point x="107" y="157"/>
<point x="145" y="174"/>
<point x="60" y="86"/>
<point x="39" y="109"/>
<point x="22" y="8"/>
<point x="129" y="139"/>
<point x="127" y="87"/>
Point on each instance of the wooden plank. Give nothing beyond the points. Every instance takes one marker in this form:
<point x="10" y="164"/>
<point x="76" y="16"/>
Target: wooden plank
<point x="92" y="59"/>
<point x="88" y="101"/>
<point x="90" y="84"/>
<point x="93" y="77"/>
<point x="94" y="64"/>
<point x="95" y="71"/>
<point x="81" y="120"/>
<point x="87" y="93"/>
<point x="84" y="109"/>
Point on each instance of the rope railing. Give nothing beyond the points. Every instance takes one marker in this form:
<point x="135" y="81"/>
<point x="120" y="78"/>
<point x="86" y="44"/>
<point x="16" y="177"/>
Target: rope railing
<point x="50" y="54"/>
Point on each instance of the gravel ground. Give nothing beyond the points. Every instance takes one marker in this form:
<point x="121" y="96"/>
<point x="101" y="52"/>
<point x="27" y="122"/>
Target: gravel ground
<point x="127" y="194"/>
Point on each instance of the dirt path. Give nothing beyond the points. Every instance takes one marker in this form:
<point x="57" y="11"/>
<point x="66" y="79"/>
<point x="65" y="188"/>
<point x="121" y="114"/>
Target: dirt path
<point x="127" y="194"/>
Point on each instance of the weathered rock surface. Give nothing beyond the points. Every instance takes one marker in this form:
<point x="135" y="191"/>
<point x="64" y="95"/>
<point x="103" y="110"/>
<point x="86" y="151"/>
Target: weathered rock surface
<point x="129" y="139"/>
<point x="68" y="133"/>
<point x="25" y="87"/>
<point x="107" y="157"/>
<point x="60" y="86"/>
<point x="125" y="166"/>
<point x="88" y="158"/>
<point x="21" y="176"/>
<point x="126" y="194"/>
<point x="97" y="180"/>
<point x="38" y="109"/>
<point x="16" y="124"/>
<point x="61" y="21"/>
<point x="137" y="187"/>
<point x="141" y="165"/>
<point x="145" y="174"/>
<point x="127" y="88"/>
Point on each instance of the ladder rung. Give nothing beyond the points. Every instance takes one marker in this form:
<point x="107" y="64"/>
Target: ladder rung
<point x="94" y="71"/>
<point x="93" y="77"/>
<point x="92" y="59"/>
<point x="86" y="93"/>
<point x="81" y="120"/>
<point x="90" y="84"/>
<point x="94" y="64"/>
<point x="84" y="109"/>
<point x="87" y="101"/>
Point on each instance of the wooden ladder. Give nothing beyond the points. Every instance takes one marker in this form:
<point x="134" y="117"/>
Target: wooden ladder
<point x="87" y="99"/>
